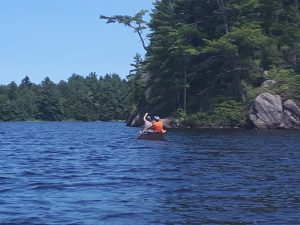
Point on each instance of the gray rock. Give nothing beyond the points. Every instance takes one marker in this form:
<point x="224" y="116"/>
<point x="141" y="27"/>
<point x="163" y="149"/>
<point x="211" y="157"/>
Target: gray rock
<point x="268" y="83"/>
<point x="137" y="121"/>
<point x="268" y="112"/>
<point x="171" y="122"/>
<point x="292" y="114"/>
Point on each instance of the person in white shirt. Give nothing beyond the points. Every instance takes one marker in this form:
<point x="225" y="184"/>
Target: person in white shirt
<point x="148" y="124"/>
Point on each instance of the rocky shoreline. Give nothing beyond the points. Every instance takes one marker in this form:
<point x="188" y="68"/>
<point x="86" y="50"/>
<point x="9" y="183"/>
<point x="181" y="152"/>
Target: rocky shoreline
<point x="268" y="111"/>
<point x="272" y="112"/>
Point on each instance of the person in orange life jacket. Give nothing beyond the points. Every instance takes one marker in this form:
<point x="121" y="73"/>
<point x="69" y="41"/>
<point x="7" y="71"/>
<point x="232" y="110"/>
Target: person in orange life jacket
<point x="148" y="124"/>
<point x="157" y="125"/>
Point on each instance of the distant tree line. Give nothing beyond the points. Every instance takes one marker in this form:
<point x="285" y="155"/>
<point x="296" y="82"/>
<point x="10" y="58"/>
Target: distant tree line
<point x="87" y="98"/>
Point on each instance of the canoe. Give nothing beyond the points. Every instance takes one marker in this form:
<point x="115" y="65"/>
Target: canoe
<point x="152" y="136"/>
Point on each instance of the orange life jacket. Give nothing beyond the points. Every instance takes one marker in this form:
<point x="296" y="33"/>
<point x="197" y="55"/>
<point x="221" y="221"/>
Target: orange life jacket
<point x="157" y="127"/>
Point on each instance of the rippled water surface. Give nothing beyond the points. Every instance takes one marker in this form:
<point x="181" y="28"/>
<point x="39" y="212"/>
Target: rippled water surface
<point x="99" y="173"/>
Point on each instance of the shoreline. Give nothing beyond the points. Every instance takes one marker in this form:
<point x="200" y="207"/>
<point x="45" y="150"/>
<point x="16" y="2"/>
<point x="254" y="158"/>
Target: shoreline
<point x="168" y="127"/>
<point x="63" y="121"/>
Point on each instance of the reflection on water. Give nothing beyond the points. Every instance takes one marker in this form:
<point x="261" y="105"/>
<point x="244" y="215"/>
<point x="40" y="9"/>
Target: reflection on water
<point x="99" y="173"/>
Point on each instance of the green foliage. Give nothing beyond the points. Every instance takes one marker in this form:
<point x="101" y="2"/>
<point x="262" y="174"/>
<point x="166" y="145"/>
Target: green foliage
<point x="137" y="80"/>
<point x="80" y="98"/>
<point x="287" y="82"/>
<point x="220" y="49"/>
<point x="180" y="114"/>
<point x="49" y="107"/>
<point x="252" y="93"/>
<point x="222" y="46"/>
<point x="200" y="119"/>
<point x="228" y="113"/>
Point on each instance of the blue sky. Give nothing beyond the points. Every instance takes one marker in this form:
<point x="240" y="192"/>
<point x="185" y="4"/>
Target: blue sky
<point x="56" y="38"/>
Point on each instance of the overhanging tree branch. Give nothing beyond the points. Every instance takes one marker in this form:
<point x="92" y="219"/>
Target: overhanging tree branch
<point x="136" y="22"/>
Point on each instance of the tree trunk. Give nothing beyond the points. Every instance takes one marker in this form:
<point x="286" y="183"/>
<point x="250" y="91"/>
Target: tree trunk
<point x="222" y="10"/>
<point x="185" y="87"/>
<point x="142" y="40"/>
<point x="239" y="88"/>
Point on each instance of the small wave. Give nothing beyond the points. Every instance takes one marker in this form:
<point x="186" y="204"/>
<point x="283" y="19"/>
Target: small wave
<point x="5" y="190"/>
<point x="83" y="185"/>
<point x="127" y="178"/>
<point x="28" y="173"/>
<point x="5" y="178"/>
<point x="177" y="179"/>
<point x="45" y="186"/>
<point x="27" y="221"/>
<point x="119" y="215"/>
<point x="86" y="202"/>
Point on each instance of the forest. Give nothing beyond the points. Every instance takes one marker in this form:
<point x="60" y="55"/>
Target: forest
<point x="205" y="61"/>
<point x="89" y="98"/>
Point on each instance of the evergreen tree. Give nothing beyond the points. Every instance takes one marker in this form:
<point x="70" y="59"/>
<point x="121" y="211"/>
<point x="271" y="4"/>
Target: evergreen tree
<point x="48" y="104"/>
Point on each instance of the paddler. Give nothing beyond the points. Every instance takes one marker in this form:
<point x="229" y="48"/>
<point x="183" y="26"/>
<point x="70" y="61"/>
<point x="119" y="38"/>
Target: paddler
<point x="157" y="125"/>
<point x="148" y="124"/>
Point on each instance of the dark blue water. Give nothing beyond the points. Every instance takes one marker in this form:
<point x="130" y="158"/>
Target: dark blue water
<point x="99" y="173"/>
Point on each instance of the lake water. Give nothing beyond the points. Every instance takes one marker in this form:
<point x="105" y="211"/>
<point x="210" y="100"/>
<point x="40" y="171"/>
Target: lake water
<point x="99" y="173"/>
